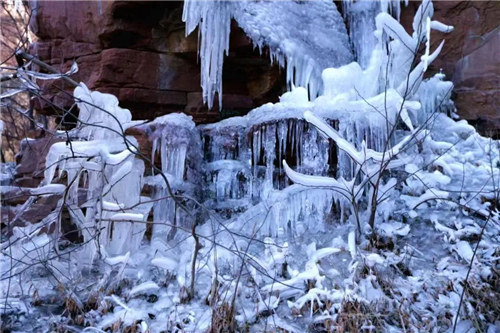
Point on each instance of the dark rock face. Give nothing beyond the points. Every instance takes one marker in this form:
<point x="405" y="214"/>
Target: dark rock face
<point x="137" y="50"/>
<point x="470" y="57"/>
<point x="31" y="161"/>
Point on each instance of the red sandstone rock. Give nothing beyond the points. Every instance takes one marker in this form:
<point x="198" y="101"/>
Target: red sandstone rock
<point x="14" y="195"/>
<point x="477" y="80"/>
<point x="470" y="57"/>
<point x="138" y="50"/>
<point x="31" y="161"/>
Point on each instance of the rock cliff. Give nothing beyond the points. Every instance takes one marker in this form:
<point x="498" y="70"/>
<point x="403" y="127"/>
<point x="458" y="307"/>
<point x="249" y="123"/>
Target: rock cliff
<point x="138" y="51"/>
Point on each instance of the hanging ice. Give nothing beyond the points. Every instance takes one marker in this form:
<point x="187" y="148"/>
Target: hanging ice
<point x="177" y="146"/>
<point x="360" y="17"/>
<point x="214" y="21"/>
<point x="303" y="36"/>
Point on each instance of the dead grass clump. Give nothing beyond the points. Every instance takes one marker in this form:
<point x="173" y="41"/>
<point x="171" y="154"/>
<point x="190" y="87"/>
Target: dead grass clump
<point x="483" y="299"/>
<point x="223" y="320"/>
<point x="354" y="315"/>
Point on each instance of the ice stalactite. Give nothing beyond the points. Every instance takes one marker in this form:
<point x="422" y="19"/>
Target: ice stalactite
<point x="111" y="180"/>
<point x="434" y="95"/>
<point x="229" y="185"/>
<point x="172" y="149"/>
<point x="247" y="151"/>
<point x="224" y="140"/>
<point x="248" y="171"/>
<point x="227" y="168"/>
<point x="290" y="212"/>
<point x="214" y="21"/>
<point x="177" y="147"/>
<point x="249" y="148"/>
<point x="321" y="42"/>
<point x="360" y="17"/>
<point x="287" y="138"/>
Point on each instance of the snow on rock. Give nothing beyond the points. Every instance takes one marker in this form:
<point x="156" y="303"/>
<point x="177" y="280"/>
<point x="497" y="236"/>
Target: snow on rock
<point x="297" y="96"/>
<point x="394" y="228"/>
<point x="465" y="326"/>
<point x="464" y="250"/>
<point x="373" y="259"/>
<point x="117" y="259"/>
<point x="431" y="194"/>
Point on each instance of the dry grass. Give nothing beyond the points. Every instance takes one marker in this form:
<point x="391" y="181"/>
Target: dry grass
<point x="484" y="301"/>
<point x="353" y="315"/>
<point x="223" y="320"/>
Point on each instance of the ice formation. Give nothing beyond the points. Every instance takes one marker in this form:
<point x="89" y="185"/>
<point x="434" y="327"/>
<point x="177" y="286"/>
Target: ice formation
<point x="174" y="142"/>
<point x="100" y="116"/>
<point x="273" y="209"/>
<point x="319" y="42"/>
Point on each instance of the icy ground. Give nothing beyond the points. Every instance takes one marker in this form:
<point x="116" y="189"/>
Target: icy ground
<point x="270" y="229"/>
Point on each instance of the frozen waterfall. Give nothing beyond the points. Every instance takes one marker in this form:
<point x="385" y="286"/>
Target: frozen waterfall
<point x="292" y="215"/>
<point x="238" y="165"/>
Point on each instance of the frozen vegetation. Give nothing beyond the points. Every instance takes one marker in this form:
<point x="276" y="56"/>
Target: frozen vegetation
<point x="355" y="204"/>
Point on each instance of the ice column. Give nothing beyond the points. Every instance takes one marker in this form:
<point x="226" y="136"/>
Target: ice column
<point x="214" y="21"/>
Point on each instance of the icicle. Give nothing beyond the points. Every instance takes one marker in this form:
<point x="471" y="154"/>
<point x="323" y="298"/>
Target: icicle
<point x="214" y="21"/>
<point x="153" y="153"/>
<point x="426" y="56"/>
<point x="360" y="17"/>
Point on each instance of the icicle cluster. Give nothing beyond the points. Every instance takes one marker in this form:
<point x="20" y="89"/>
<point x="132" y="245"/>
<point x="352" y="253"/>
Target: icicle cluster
<point x="175" y="143"/>
<point x="111" y="179"/>
<point x="319" y="42"/>
<point x="214" y="21"/>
